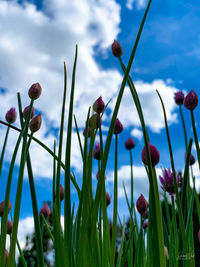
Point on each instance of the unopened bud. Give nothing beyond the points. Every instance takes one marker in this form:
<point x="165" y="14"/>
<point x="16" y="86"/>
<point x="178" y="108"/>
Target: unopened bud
<point x="2" y="204"/>
<point x="11" y="115"/>
<point x="25" y="112"/>
<point x="35" y="123"/>
<point x="45" y="210"/>
<point x="35" y="91"/>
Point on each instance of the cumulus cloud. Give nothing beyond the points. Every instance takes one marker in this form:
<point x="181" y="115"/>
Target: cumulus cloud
<point x="139" y="4"/>
<point x="137" y="133"/>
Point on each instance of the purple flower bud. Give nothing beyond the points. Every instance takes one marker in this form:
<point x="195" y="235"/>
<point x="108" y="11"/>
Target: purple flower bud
<point x="99" y="105"/>
<point x="199" y="235"/>
<point x="25" y="112"/>
<point x="94" y="121"/>
<point x="2" y="207"/>
<point x="116" y="49"/>
<point x="9" y="227"/>
<point x="62" y="192"/>
<point x="154" y="154"/>
<point x="191" y="100"/>
<point x="118" y="127"/>
<point x="89" y="132"/>
<point x="167" y="181"/>
<point x="35" y="91"/>
<point x="192" y="159"/>
<point x="35" y="123"/>
<point x="107" y="199"/>
<point x="145" y="225"/>
<point x="141" y="205"/>
<point x="96" y="152"/>
<point x="11" y="115"/>
<point x="179" y="98"/>
<point x="129" y="144"/>
<point x="45" y="210"/>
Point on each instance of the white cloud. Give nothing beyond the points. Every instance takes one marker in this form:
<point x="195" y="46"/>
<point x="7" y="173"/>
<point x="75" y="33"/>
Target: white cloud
<point x="137" y="133"/>
<point x="150" y="103"/>
<point x="139" y="4"/>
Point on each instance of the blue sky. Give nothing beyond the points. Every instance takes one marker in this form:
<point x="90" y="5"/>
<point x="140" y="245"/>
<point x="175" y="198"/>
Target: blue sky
<point x="38" y="36"/>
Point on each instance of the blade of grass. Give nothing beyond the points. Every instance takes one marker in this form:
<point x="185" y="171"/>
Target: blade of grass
<point x="3" y="149"/>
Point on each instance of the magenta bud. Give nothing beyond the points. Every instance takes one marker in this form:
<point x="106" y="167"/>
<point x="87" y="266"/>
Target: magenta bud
<point x="129" y="144"/>
<point x="154" y="154"/>
<point x="145" y="225"/>
<point x="62" y="192"/>
<point x="179" y="98"/>
<point x="25" y="112"/>
<point x="11" y="115"/>
<point x="192" y="159"/>
<point x="116" y="49"/>
<point x="94" y="121"/>
<point x="89" y="132"/>
<point x="107" y="199"/>
<point x="2" y="207"/>
<point x="35" y="123"/>
<point x="191" y="100"/>
<point x="96" y="152"/>
<point x="142" y="205"/>
<point x="9" y="227"/>
<point x="99" y="105"/>
<point x="167" y="181"/>
<point x="45" y="210"/>
<point x="118" y="127"/>
<point x="35" y="91"/>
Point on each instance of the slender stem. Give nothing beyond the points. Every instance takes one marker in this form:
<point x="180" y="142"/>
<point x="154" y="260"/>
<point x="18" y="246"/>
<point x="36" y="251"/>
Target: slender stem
<point x="3" y="149"/>
<point x="195" y="137"/>
<point x="184" y="128"/>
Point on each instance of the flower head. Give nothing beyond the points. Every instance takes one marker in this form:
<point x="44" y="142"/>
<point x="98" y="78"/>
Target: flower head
<point x="179" y="98"/>
<point x="116" y="49"/>
<point x="107" y="199"/>
<point x="168" y="182"/>
<point x="25" y="112"/>
<point x="35" y="123"/>
<point x="191" y="100"/>
<point x="2" y="204"/>
<point x="154" y="154"/>
<point x="142" y="205"/>
<point x="118" y="127"/>
<point x="45" y="210"/>
<point x="11" y="115"/>
<point x="129" y="144"/>
<point x="99" y="105"/>
<point x="96" y="152"/>
<point x="9" y="227"/>
<point x="35" y="91"/>
<point x="94" y="121"/>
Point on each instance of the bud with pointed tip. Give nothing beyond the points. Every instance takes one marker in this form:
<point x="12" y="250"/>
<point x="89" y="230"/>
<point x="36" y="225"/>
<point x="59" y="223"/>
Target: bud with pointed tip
<point x="142" y="205"/>
<point x="107" y="199"/>
<point x="191" y="100"/>
<point x="96" y="152"/>
<point x="154" y="154"/>
<point x="129" y="144"/>
<point x="94" y="121"/>
<point x="179" y="98"/>
<point x="62" y="192"/>
<point x="9" y="227"/>
<point x="99" y="105"/>
<point x="11" y="115"/>
<point x="2" y="207"/>
<point x="35" y="91"/>
<point x="118" y="127"/>
<point x="35" y="123"/>
<point x="45" y="210"/>
<point x="25" y="112"/>
<point x="116" y="49"/>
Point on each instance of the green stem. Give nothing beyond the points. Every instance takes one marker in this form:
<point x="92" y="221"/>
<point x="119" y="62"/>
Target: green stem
<point x="184" y="128"/>
<point x="195" y="137"/>
<point x="3" y="150"/>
